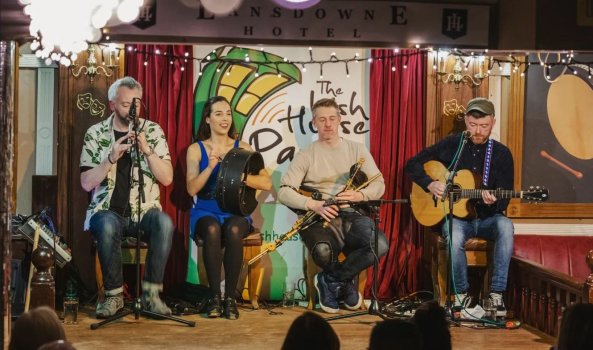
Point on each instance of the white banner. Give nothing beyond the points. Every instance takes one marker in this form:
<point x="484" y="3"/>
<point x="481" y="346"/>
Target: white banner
<point x="278" y="125"/>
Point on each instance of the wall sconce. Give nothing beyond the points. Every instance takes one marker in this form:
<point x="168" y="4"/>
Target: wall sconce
<point x="457" y="77"/>
<point x="91" y="69"/>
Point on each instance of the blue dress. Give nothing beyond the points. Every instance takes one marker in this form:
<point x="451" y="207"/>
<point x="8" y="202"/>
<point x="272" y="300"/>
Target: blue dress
<point x="206" y="204"/>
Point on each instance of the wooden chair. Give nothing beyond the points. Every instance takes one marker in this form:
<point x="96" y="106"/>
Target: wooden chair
<point x="128" y="257"/>
<point x="251" y="247"/>
<point x="478" y="252"/>
<point x="310" y="269"/>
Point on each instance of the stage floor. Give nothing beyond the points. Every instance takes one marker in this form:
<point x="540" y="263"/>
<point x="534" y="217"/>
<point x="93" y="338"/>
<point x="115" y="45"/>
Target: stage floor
<point x="263" y="329"/>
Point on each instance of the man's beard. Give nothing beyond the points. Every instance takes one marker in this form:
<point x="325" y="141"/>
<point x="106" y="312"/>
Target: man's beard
<point x="123" y="119"/>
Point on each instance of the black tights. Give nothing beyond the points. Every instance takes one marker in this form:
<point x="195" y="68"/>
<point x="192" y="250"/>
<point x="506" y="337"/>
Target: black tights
<point x="230" y="237"/>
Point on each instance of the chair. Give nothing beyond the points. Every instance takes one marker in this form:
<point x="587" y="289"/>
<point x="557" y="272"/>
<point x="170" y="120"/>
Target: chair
<point x="128" y="257"/>
<point x="478" y="252"/>
<point x="310" y="269"/>
<point x="251" y="247"/>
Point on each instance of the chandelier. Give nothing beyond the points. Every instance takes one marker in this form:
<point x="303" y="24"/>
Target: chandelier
<point x="457" y="77"/>
<point x="61" y="38"/>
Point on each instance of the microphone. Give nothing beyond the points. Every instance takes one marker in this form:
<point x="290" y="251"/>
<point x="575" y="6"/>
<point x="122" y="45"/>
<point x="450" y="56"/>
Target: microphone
<point x="467" y="134"/>
<point x="132" y="116"/>
<point x="132" y="112"/>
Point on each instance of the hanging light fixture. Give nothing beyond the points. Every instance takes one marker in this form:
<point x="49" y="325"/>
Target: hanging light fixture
<point x="457" y="77"/>
<point x="297" y="4"/>
<point x="58" y="39"/>
<point x="91" y="69"/>
<point x="221" y="7"/>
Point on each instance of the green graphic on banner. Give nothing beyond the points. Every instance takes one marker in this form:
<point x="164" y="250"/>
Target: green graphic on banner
<point x="246" y="77"/>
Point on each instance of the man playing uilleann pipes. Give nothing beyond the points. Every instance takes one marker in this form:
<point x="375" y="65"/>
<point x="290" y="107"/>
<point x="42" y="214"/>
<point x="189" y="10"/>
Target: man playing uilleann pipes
<point x="325" y="166"/>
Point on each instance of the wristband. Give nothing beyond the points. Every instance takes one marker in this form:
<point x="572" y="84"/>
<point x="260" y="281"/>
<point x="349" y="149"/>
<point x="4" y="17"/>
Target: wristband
<point x="109" y="159"/>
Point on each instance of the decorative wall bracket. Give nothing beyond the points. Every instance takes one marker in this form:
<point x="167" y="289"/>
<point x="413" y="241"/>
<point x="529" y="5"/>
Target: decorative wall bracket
<point x="91" y="70"/>
<point x="457" y="77"/>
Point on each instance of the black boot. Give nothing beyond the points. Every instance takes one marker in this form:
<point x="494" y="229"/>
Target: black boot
<point x="230" y="308"/>
<point x="215" y="307"/>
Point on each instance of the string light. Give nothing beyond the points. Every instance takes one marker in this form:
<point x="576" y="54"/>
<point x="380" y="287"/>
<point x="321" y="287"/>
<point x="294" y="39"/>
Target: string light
<point x="547" y="71"/>
<point x="518" y="66"/>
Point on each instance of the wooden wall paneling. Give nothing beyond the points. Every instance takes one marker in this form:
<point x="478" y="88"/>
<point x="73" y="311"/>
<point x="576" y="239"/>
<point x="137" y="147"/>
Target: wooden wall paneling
<point x="45" y="193"/>
<point x="437" y="126"/>
<point x="81" y="104"/>
<point x="8" y="71"/>
<point x="515" y="133"/>
<point x="437" y="93"/>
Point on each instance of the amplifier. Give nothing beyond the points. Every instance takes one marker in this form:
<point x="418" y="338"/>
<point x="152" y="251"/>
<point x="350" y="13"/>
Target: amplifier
<point x="47" y="239"/>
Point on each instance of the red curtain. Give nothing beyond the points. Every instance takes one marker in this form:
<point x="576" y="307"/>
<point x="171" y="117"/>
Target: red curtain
<point x="397" y="109"/>
<point x="168" y="100"/>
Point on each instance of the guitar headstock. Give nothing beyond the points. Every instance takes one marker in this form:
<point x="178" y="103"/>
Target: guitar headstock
<point x="535" y="194"/>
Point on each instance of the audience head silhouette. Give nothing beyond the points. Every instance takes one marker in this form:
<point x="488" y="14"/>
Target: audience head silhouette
<point x="576" y="329"/>
<point x="35" y="328"/>
<point x="58" y="345"/>
<point x="431" y="321"/>
<point x="311" y="331"/>
<point x="395" y="335"/>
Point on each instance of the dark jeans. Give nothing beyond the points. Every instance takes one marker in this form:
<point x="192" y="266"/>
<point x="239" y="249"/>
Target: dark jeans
<point x="349" y="233"/>
<point x="108" y="228"/>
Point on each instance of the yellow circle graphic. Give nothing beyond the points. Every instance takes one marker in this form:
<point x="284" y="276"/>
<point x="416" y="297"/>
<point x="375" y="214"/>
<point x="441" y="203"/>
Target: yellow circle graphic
<point x="570" y="111"/>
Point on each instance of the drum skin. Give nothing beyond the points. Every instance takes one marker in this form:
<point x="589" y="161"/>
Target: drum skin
<point x="231" y="193"/>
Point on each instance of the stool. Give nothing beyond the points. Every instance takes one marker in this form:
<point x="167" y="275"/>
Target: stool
<point x="251" y="247"/>
<point x="128" y="257"/>
<point x="478" y="252"/>
<point x="310" y="269"/>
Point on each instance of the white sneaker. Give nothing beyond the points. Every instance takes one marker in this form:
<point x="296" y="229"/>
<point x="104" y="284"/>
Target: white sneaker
<point x="498" y="301"/>
<point x="462" y="301"/>
<point x="152" y="302"/>
<point x="110" y="306"/>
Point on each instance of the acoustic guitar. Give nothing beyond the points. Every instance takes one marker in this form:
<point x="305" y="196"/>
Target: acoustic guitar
<point x="429" y="210"/>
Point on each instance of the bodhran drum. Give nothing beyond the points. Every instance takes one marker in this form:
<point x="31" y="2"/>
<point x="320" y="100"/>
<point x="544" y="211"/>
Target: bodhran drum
<point x="231" y="193"/>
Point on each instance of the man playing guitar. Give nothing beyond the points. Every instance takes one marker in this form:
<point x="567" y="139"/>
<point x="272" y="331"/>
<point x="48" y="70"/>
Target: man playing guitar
<point x="492" y="162"/>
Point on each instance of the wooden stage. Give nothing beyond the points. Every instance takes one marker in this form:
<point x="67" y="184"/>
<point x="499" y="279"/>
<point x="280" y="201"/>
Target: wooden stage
<point x="264" y="329"/>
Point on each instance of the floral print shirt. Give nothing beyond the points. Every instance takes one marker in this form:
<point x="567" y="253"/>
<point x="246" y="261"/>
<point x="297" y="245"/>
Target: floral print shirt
<point x="97" y="145"/>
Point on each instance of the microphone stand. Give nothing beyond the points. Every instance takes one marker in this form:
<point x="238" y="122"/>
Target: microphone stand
<point x="374" y="212"/>
<point x="137" y="309"/>
<point x="450" y="195"/>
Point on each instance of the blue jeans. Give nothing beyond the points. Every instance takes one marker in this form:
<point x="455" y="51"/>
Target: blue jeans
<point x="108" y="228"/>
<point x="497" y="228"/>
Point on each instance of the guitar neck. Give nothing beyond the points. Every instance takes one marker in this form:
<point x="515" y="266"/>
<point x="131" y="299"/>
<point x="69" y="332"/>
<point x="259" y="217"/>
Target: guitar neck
<point x="499" y="193"/>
